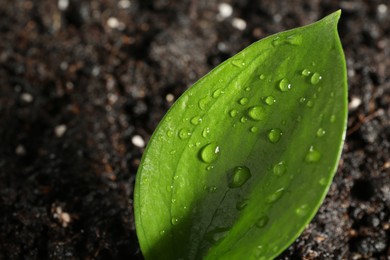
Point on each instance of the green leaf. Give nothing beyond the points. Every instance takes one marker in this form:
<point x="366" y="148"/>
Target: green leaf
<point x="242" y="161"/>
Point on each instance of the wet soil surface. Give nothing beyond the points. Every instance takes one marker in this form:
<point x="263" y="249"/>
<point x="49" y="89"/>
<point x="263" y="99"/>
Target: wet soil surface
<point x="83" y="85"/>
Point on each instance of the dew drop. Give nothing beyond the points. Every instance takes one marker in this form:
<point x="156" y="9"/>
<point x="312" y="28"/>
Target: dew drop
<point x="292" y="40"/>
<point x="174" y="220"/>
<point x="323" y="181"/>
<point x="210" y="189"/>
<point x="284" y="85"/>
<point x="254" y="129"/>
<point x="309" y="103"/>
<point x="203" y="103"/>
<point x="243" y="119"/>
<point x="184" y="133"/>
<point x="209" y="153"/>
<point x="262" y="76"/>
<point x="313" y="155"/>
<point x="256" y="113"/>
<point x="302" y="100"/>
<point x="209" y="168"/>
<point x="320" y="132"/>
<point x="196" y="120"/>
<point x="217" y="93"/>
<point x="315" y="96"/>
<point x="332" y="118"/>
<point x="243" y="101"/>
<point x="217" y="234"/>
<point x="274" y="135"/>
<point x="162" y="232"/>
<point x="241" y="204"/>
<point x="315" y="78"/>
<point x="169" y="133"/>
<point x="262" y="221"/>
<point x="270" y="100"/>
<point x="280" y="168"/>
<point x="241" y="174"/>
<point x="172" y="152"/>
<point x="239" y="63"/>
<point x="302" y="210"/>
<point x="275" y="196"/>
<point x="233" y="113"/>
<point x="206" y="132"/>
<point x="306" y="72"/>
<point x="248" y="89"/>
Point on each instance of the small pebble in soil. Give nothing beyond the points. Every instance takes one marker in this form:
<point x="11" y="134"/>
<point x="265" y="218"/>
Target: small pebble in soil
<point x="63" y="217"/>
<point x="26" y="97"/>
<point x="60" y="130"/>
<point x="124" y="4"/>
<point x="225" y="11"/>
<point x="239" y="24"/>
<point x="63" y="4"/>
<point x="138" y="141"/>
<point x="114" y="23"/>
<point x="169" y="97"/>
<point x="20" y="150"/>
<point x="355" y="103"/>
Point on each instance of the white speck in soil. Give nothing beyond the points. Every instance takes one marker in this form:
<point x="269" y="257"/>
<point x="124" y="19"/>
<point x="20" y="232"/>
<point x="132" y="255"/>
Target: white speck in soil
<point x="20" y="150"/>
<point x="60" y="130"/>
<point x="138" y="141"/>
<point x="124" y="4"/>
<point x="169" y="97"/>
<point x="355" y="103"/>
<point x="225" y="11"/>
<point x="63" y="4"/>
<point x="26" y="97"/>
<point x="239" y="24"/>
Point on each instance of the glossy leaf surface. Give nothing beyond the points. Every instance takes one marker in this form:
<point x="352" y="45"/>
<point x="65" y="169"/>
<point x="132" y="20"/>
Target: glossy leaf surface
<point x="242" y="161"/>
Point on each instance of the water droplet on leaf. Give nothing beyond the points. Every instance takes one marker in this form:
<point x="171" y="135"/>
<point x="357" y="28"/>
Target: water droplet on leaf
<point x="169" y="133"/>
<point x="209" y="153"/>
<point x="279" y="169"/>
<point x="320" y="132"/>
<point x="239" y="63"/>
<point x="184" y="133"/>
<point x="203" y="103"/>
<point x="254" y="129"/>
<point x="174" y="220"/>
<point x="262" y="76"/>
<point x="284" y="85"/>
<point x="274" y="135"/>
<point x="270" y="100"/>
<point x="275" y="196"/>
<point x="256" y="113"/>
<point x="206" y="132"/>
<point x="241" y="204"/>
<point x="243" y="101"/>
<point x="217" y="234"/>
<point x="313" y="155"/>
<point x="302" y="210"/>
<point x="315" y="78"/>
<point x="196" y="120"/>
<point x="306" y="72"/>
<point x="233" y="113"/>
<point x="241" y="175"/>
<point x="309" y="103"/>
<point x="262" y="221"/>
<point x="323" y="181"/>
<point x="217" y="93"/>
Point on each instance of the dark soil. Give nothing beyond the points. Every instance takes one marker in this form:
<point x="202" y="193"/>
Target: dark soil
<point x="78" y="90"/>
